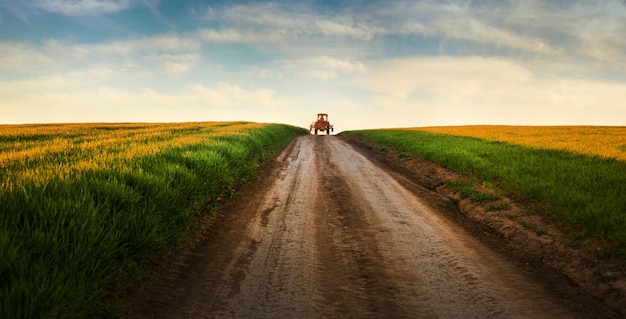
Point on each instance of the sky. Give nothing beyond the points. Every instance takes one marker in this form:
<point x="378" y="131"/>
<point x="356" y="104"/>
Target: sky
<point x="368" y="64"/>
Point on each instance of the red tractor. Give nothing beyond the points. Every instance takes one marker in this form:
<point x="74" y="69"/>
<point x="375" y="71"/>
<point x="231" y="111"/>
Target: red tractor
<point x="321" y="124"/>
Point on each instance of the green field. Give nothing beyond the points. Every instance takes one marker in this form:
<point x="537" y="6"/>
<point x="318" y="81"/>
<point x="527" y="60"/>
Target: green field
<point x="588" y="192"/>
<point x="83" y="206"/>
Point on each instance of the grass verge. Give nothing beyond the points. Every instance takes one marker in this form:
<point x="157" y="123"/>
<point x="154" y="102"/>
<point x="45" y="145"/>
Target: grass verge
<point x="586" y="191"/>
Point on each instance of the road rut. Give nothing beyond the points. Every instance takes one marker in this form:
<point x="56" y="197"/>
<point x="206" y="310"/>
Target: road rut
<point x="329" y="234"/>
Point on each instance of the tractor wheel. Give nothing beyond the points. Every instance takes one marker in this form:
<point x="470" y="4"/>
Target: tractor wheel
<point x="328" y="131"/>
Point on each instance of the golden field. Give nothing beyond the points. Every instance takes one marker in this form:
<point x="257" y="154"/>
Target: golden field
<point x="603" y="141"/>
<point x="37" y="153"/>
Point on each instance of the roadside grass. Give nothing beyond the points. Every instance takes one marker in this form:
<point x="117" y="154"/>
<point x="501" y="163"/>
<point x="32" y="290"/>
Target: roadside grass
<point x="588" y="192"/>
<point x="466" y="190"/>
<point x="84" y="205"/>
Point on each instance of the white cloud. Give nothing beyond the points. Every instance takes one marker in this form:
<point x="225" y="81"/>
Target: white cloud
<point x="19" y="56"/>
<point x="479" y="32"/>
<point x="193" y="103"/>
<point x="262" y="74"/>
<point x="437" y="91"/>
<point x="167" y="42"/>
<point x="145" y="45"/>
<point x="506" y="25"/>
<point x="174" y="63"/>
<point x="222" y="36"/>
<point x="402" y="77"/>
<point x="343" y="27"/>
<point x="229" y="95"/>
<point x="84" y="7"/>
<point x="323" y="68"/>
<point x="171" y="53"/>
<point x="262" y="16"/>
<point x="584" y="29"/>
<point x="20" y="87"/>
<point x="494" y="24"/>
<point x="291" y="21"/>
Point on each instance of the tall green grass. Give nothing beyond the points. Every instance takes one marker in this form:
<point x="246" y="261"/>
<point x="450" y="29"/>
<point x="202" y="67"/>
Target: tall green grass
<point x="66" y="244"/>
<point x="588" y="192"/>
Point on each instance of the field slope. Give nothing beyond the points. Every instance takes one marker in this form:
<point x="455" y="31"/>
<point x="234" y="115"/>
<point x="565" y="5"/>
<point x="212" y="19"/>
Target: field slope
<point x="587" y="191"/>
<point x="83" y="205"/>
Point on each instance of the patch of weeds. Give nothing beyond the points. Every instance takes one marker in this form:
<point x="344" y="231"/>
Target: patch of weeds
<point x="404" y="157"/>
<point x="493" y="185"/>
<point x="466" y="190"/>
<point x="231" y="192"/>
<point x="384" y="150"/>
<point x="497" y="207"/>
<point x="489" y="184"/>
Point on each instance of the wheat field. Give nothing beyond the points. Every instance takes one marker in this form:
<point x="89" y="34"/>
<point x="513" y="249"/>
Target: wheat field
<point x="603" y="141"/>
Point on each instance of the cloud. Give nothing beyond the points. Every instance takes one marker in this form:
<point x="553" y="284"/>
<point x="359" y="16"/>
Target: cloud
<point x="84" y="7"/>
<point x="172" y="53"/>
<point x="19" y="56"/>
<point x="572" y="29"/>
<point x="574" y="32"/>
<point x="487" y="91"/>
<point x="151" y="5"/>
<point x="228" y="95"/>
<point x="18" y="9"/>
<point x="505" y="24"/>
<point x="290" y="21"/>
<point x="24" y="9"/>
<point x="478" y="32"/>
<point x="323" y="68"/>
<point x="193" y="103"/>
<point x="137" y="46"/>
<point x="174" y="63"/>
<point x="583" y="29"/>
<point x="401" y="77"/>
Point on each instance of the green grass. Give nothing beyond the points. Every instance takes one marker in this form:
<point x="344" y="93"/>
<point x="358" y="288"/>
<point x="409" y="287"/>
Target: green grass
<point x="66" y="244"/>
<point x="588" y="192"/>
<point x="466" y="190"/>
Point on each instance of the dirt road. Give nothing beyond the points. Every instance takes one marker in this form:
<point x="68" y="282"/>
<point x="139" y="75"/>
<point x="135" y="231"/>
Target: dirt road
<point x="331" y="235"/>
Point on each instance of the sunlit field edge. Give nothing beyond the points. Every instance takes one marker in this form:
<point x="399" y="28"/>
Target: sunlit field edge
<point x="83" y="205"/>
<point x="603" y="141"/>
<point x="586" y="190"/>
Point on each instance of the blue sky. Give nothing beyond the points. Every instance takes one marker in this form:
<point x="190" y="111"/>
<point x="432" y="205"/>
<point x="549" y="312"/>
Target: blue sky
<point x="369" y="64"/>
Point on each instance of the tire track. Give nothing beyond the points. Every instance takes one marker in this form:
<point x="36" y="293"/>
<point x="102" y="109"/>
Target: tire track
<point x="454" y="274"/>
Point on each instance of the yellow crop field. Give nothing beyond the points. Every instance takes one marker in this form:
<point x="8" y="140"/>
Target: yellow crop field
<point x="37" y="153"/>
<point x="604" y="141"/>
